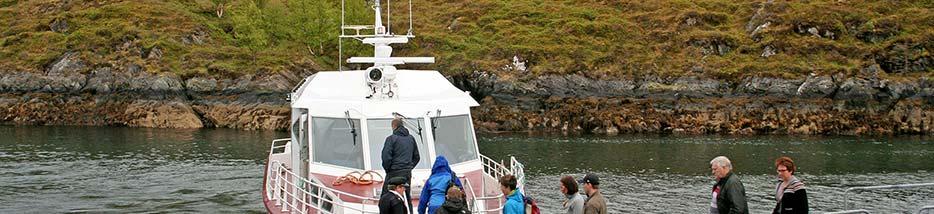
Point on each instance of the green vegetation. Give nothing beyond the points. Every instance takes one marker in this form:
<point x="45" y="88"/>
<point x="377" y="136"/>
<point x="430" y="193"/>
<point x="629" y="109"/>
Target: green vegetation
<point x="601" y="39"/>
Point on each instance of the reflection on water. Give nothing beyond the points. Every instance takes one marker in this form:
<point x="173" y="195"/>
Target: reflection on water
<point x="105" y="169"/>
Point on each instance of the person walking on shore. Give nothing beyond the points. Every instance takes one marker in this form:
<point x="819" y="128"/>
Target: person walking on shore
<point x="790" y="195"/>
<point x="729" y="195"/>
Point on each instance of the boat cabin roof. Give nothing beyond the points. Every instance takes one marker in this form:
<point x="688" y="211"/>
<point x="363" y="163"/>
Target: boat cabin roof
<point x="419" y="92"/>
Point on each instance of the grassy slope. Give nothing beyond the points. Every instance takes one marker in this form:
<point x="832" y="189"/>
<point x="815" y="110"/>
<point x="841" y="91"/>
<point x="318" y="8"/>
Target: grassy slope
<point x="602" y="39"/>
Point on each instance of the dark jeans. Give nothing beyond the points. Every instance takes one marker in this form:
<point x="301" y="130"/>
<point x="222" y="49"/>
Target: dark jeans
<point x="407" y="174"/>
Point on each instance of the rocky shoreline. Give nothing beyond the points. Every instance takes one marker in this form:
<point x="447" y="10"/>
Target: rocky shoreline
<point x="860" y="104"/>
<point x="71" y="92"/>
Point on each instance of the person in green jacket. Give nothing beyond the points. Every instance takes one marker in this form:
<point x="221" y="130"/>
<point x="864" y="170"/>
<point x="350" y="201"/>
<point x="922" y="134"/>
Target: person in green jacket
<point x="729" y="195"/>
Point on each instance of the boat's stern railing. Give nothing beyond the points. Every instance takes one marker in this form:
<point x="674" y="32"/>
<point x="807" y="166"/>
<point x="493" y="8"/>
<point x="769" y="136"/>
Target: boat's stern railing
<point x="278" y="146"/>
<point x="296" y="194"/>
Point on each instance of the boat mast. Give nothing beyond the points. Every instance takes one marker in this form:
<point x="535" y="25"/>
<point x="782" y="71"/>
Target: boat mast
<point x="381" y="76"/>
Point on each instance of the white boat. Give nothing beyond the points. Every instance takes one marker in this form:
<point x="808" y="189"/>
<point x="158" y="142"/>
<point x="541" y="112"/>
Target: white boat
<point x="340" y="120"/>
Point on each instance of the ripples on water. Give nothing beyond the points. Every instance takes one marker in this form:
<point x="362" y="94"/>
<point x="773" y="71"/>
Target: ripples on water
<point x="121" y="170"/>
<point x="99" y="169"/>
<point x="670" y="174"/>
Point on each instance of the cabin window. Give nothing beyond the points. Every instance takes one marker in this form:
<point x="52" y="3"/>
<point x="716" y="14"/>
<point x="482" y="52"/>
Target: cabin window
<point x="379" y="129"/>
<point x="454" y="138"/>
<point x="337" y="141"/>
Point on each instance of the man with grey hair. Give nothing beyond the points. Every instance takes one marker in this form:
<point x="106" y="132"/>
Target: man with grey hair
<point x="729" y="195"/>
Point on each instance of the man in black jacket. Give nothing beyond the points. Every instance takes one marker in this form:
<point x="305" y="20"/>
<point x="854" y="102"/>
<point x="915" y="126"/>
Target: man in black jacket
<point x="394" y="202"/>
<point x="400" y="156"/>
<point x="729" y="195"/>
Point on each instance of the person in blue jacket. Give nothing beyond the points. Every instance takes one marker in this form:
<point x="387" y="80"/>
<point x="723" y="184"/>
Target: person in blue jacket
<point x="515" y="203"/>
<point x="433" y="193"/>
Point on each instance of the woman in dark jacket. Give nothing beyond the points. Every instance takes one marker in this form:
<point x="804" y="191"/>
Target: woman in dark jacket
<point x="790" y="195"/>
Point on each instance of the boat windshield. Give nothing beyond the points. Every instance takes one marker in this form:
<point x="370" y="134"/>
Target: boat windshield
<point x="379" y="129"/>
<point x="454" y="138"/>
<point x="337" y="141"/>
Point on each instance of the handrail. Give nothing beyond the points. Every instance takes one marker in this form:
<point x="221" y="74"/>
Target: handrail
<point x="472" y="194"/>
<point x="295" y="200"/>
<point x="520" y="173"/>
<point x="496" y="170"/>
<point x="926" y="209"/>
<point x="273" y="146"/>
<point x="846" y="193"/>
<point x="291" y="191"/>
<point x="849" y="212"/>
<point x="473" y="206"/>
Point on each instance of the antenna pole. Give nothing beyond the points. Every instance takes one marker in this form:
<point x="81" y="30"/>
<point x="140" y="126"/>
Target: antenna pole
<point x="340" y="41"/>
<point x="389" y="17"/>
<point x="410" y="18"/>
<point x="378" y="28"/>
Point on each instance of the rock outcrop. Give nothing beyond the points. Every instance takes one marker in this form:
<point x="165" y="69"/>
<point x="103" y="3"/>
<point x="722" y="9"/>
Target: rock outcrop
<point x="71" y="92"/>
<point x="815" y="104"/>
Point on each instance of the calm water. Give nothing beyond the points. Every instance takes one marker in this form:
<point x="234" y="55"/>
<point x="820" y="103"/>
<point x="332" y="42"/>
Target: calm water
<point x="95" y="169"/>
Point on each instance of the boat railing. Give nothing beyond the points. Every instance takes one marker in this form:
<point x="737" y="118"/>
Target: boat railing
<point x="278" y="145"/>
<point x="494" y="168"/>
<point x="476" y="199"/>
<point x="519" y="171"/>
<point x="926" y="210"/>
<point x="849" y="212"/>
<point x="846" y="193"/>
<point x="295" y="193"/>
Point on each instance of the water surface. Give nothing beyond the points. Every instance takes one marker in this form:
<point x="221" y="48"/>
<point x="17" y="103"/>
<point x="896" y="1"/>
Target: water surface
<point x="112" y="169"/>
<point x="671" y="174"/>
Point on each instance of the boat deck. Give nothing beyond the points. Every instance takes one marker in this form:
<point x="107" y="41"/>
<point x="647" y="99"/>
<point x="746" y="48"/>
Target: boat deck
<point x="477" y="183"/>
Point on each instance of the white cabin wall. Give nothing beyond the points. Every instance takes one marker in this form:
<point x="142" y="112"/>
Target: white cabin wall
<point x="299" y="134"/>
